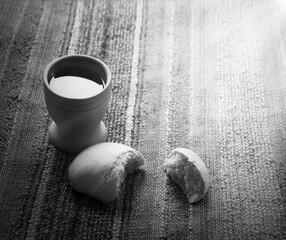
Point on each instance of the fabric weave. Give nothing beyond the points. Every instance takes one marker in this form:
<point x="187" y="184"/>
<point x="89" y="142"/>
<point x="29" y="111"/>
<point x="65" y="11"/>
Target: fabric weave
<point x="205" y="75"/>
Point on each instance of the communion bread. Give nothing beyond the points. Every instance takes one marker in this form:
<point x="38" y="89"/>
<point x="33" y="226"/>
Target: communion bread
<point x="99" y="170"/>
<point x="189" y="171"/>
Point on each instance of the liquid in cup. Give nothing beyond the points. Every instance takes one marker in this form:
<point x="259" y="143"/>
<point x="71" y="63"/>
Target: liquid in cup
<point x="75" y="87"/>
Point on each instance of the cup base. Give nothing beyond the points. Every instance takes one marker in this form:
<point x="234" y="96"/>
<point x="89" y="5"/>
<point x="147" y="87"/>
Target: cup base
<point x="74" y="144"/>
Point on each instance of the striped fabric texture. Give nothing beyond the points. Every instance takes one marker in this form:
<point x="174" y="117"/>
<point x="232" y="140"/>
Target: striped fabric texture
<point x="206" y="75"/>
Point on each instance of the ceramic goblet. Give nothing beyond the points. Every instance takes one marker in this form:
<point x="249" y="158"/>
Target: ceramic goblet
<point x="77" y="119"/>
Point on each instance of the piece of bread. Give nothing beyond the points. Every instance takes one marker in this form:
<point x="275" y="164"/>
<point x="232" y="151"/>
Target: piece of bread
<point x="189" y="171"/>
<point x="99" y="170"/>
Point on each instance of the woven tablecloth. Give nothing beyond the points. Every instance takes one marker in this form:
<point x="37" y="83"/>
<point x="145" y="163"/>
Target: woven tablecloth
<point x="206" y="75"/>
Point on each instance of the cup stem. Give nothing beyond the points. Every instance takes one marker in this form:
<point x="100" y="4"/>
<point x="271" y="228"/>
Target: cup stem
<point x="75" y="143"/>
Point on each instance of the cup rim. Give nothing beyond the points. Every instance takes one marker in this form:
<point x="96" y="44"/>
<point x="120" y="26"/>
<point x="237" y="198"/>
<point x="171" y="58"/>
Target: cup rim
<point x="97" y="97"/>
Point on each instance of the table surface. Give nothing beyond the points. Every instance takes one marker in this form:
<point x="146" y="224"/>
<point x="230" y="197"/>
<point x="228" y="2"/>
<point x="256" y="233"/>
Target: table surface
<point x="201" y="74"/>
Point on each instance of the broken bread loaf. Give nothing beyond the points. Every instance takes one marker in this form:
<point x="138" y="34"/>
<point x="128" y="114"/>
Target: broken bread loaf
<point x="189" y="171"/>
<point x="99" y="170"/>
